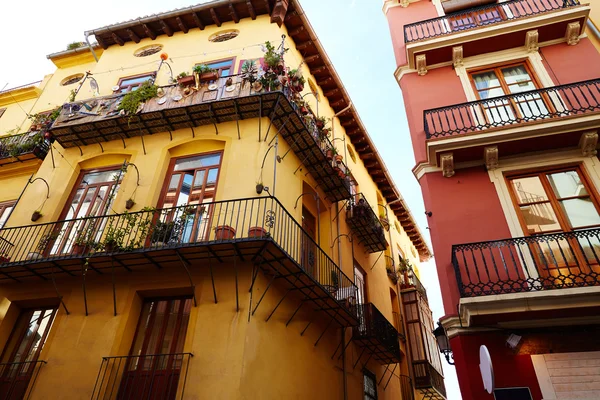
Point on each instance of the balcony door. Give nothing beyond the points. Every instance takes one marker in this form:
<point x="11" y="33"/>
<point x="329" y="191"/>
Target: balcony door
<point x="508" y="80"/>
<point x="556" y="201"/>
<point x="92" y="196"/>
<point x="189" y="190"/>
<point x="20" y="356"/>
<point x="309" y="248"/>
<point x="155" y="360"/>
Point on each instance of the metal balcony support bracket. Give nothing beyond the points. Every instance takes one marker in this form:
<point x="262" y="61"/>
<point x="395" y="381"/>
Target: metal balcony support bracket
<point x="122" y="140"/>
<point x="390" y="378"/>
<point x="143" y="144"/>
<point x="80" y="151"/>
<point x="342" y="208"/>
<point x="170" y="135"/>
<point x="57" y="292"/>
<point x="378" y="257"/>
<point x="305" y="328"/>
<point x="185" y="264"/>
<point x="359" y="357"/>
<point x="368" y="359"/>
<point x="100" y="144"/>
<point x="325" y="330"/>
<point x="343" y="349"/>
<point x="212" y="279"/>
<point x="271" y="117"/>
<point x="260" y="118"/>
<point x="84" y="265"/>
<point x="264" y="293"/>
<point x="114" y="288"/>
<point x="120" y="263"/>
<point x="279" y="131"/>
<point x="295" y="312"/>
<point x="237" y="119"/>
<point x="193" y="132"/>
<point x="383" y="375"/>
<point x="281" y="300"/>
<point x="213" y="118"/>
<point x="52" y="156"/>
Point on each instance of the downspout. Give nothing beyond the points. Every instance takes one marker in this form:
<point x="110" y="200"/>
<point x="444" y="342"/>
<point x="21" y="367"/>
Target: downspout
<point x="593" y="28"/>
<point x="87" y="40"/>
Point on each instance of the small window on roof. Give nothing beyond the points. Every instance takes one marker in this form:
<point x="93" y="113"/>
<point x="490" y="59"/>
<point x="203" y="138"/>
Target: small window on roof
<point x="224" y="36"/>
<point x="148" y="50"/>
<point x="71" y="79"/>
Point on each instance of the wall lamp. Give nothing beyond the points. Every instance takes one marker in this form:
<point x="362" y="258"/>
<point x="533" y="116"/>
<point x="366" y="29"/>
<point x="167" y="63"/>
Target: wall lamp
<point x="443" y="343"/>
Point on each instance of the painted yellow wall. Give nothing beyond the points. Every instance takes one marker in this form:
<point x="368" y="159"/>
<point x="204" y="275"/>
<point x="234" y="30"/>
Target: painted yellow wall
<point x="594" y="17"/>
<point x="233" y="358"/>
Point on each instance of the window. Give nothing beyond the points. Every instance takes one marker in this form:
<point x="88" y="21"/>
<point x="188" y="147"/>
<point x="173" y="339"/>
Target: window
<point x="224" y="67"/>
<point x="133" y="82"/>
<point x="153" y="366"/>
<point x="508" y="80"/>
<point x="69" y="80"/>
<point x="360" y="280"/>
<point x="91" y="197"/>
<point x="23" y="350"/>
<point x="5" y="210"/>
<point x="192" y="181"/>
<point x="370" y="385"/>
<point x="224" y="36"/>
<point x="148" y="50"/>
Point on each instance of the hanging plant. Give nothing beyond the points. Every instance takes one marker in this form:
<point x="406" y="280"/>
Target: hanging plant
<point x="132" y="100"/>
<point x="37" y="214"/>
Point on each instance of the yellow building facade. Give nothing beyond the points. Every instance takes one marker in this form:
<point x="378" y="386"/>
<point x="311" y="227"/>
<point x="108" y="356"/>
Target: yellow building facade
<point x="140" y="251"/>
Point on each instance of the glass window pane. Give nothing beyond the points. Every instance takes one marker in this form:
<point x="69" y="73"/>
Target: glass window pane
<point x="540" y="218"/>
<point x="212" y="177"/>
<point x="529" y="190"/>
<point x="184" y="193"/>
<point x="133" y="81"/>
<point x="4" y="216"/>
<point x="199" y="180"/>
<point x="197" y="162"/>
<point x="486" y="94"/>
<point x="220" y="64"/>
<point x="521" y="87"/>
<point x="516" y="74"/>
<point x="567" y="184"/>
<point x="100" y="177"/>
<point x="580" y="212"/>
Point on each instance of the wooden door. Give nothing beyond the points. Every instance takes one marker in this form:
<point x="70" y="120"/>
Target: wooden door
<point x="152" y="372"/>
<point x="23" y="350"/>
<point x="309" y="248"/>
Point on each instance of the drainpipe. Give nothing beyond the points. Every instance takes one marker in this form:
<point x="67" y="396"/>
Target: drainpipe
<point x="593" y="28"/>
<point x="344" y="364"/>
<point x="87" y="40"/>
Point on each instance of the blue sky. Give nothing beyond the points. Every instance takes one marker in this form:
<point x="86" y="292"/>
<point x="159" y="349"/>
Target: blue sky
<point x="354" y="33"/>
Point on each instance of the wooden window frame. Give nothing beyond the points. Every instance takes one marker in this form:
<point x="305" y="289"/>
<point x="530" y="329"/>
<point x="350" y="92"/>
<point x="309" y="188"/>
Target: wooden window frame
<point x="358" y="267"/>
<point x="2" y="111"/>
<point x="552" y="199"/>
<point x="373" y="378"/>
<point x="3" y="206"/>
<point x="129" y="87"/>
<point x="231" y="69"/>
<point x="497" y="67"/>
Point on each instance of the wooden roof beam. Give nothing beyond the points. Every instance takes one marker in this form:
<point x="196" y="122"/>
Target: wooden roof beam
<point x="304" y="45"/>
<point x="268" y="6"/>
<point x="251" y="9"/>
<point x="333" y="92"/>
<point x="182" y="25"/>
<point x="312" y="58"/>
<point x="118" y="39"/>
<point x="132" y="35"/>
<point x="101" y="42"/>
<point x="166" y="28"/>
<point x="234" y="15"/>
<point x="290" y="15"/>
<point x="198" y="21"/>
<point x="338" y="103"/>
<point x="326" y="81"/>
<point x="296" y="31"/>
<point x="215" y="17"/>
<point x="149" y="32"/>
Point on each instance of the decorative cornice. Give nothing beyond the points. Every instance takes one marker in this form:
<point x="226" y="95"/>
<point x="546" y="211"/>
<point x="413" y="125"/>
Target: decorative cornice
<point x="457" y="56"/>
<point x="447" y="164"/>
<point x="572" y="33"/>
<point x="588" y="143"/>
<point x="421" y="64"/>
<point x="531" y="41"/>
<point x="490" y="155"/>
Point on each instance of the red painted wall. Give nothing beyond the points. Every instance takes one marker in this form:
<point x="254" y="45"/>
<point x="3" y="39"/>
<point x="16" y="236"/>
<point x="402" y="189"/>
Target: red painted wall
<point x="439" y="87"/>
<point x="399" y="16"/>
<point x="465" y="208"/>
<point x="510" y="370"/>
<point x="567" y="64"/>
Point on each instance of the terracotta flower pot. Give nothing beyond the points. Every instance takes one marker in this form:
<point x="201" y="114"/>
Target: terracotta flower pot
<point x="304" y="110"/>
<point x="259" y="188"/>
<point x="339" y="158"/>
<point x="4" y="259"/>
<point x="129" y="204"/>
<point x="257" y="232"/>
<point x="341" y="174"/>
<point x="79" y="249"/>
<point x="320" y="124"/>
<point x="224" y="232"/>
<point x="186" y="81"/>
<point x="329" y="154"/>
<point x="35" y="216"/>
<point x="209" y="76"/>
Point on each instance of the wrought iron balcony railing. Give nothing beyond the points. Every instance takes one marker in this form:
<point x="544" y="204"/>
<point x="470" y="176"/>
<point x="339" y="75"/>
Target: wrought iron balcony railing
<point x="253" y="228"/>
<point x="525" y="264"/>
<point x="156" y="376"/>
<point x="564" y="101"/>
<point x="481" y="16"/>
<point x="23" y="147"/>
<point x="409" y="280"/>
<point x="97" y="120"/>
<point x="376" y="334"/>
<point x="18" y="379"/>
<point x="365" y="224"/>
<point x="429" y="380"/>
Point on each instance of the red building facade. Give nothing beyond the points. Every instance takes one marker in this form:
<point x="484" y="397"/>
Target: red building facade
<point x="503" y="106"/>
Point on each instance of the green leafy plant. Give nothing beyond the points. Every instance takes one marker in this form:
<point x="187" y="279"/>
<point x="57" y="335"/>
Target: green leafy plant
<point x="202" y="69"/>
<point x="47" y="239"/>
<point x="75" y="45"/>
<point x="249" y="72"/>
<point x="129" y="231"/>
<point x="335" y="279"/>
<point x="182" y="75"/>
<point x="272" y="58"/>
<point x="132" y="100"/>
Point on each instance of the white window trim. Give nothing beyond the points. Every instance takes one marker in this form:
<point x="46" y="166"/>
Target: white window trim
<point x="591" y="165"/>
<point x="508" y="57"/>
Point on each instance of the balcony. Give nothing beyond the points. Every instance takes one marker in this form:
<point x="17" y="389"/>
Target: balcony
<point x="492" y="28"/>
<point x="365" y="224"/>
<point x="526" y="264"/>
<point x="18" y="379"/>
<point x="428" y="380"/>
<point x="156" y="376"/>
<point x="516" y="122"/>
<point x="409" y="280"/>
<point x="406" y="388"/>
<point x="254" y="229"/>
<point x="376" y="334"/>
<point x="22" y="148"/>
<point x="97" y="120"/>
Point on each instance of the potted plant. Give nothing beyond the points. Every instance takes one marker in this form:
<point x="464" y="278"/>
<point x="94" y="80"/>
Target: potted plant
<point x="259" y="187"/>
<point x="392" y="274"/>
<point x="257" y="232"/>
<point x="224" y="232"/>
<point x="84" y="240"/>
<point x="129" y="204"/>
<point x="330" y="153"/>
<point x="384" y="221"/>
<point x="113" y="240"/>
<point x="321" y="122"/>
<point x="45" y="241"/>
<point x="4" y="258"/>
<point x="204" y="73"/>
<point x="37" y="214"/>
<point x="162" y="233"/>
<point x="335" y="283"/>
<point x="185" y="80"/>
<point x="338" y="158"/>
<point x="249" y="72"/>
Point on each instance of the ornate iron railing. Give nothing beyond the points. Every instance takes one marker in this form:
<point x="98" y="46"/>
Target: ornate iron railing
<point x="481" y="16"/>
<point x="155" y="376"/>
<point x="525" y="264"/>
<point x="427" y="377"/>
<point x="17" y="379"/>
<point x="16" y="146"/>
<point x="534" y="105"/>
<point x="373" y="326"/>
<point x="409" y="280"/>
<point x="406" y="388"/>
<point x="366" y="225"/>
<point x="262" y="218"/>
